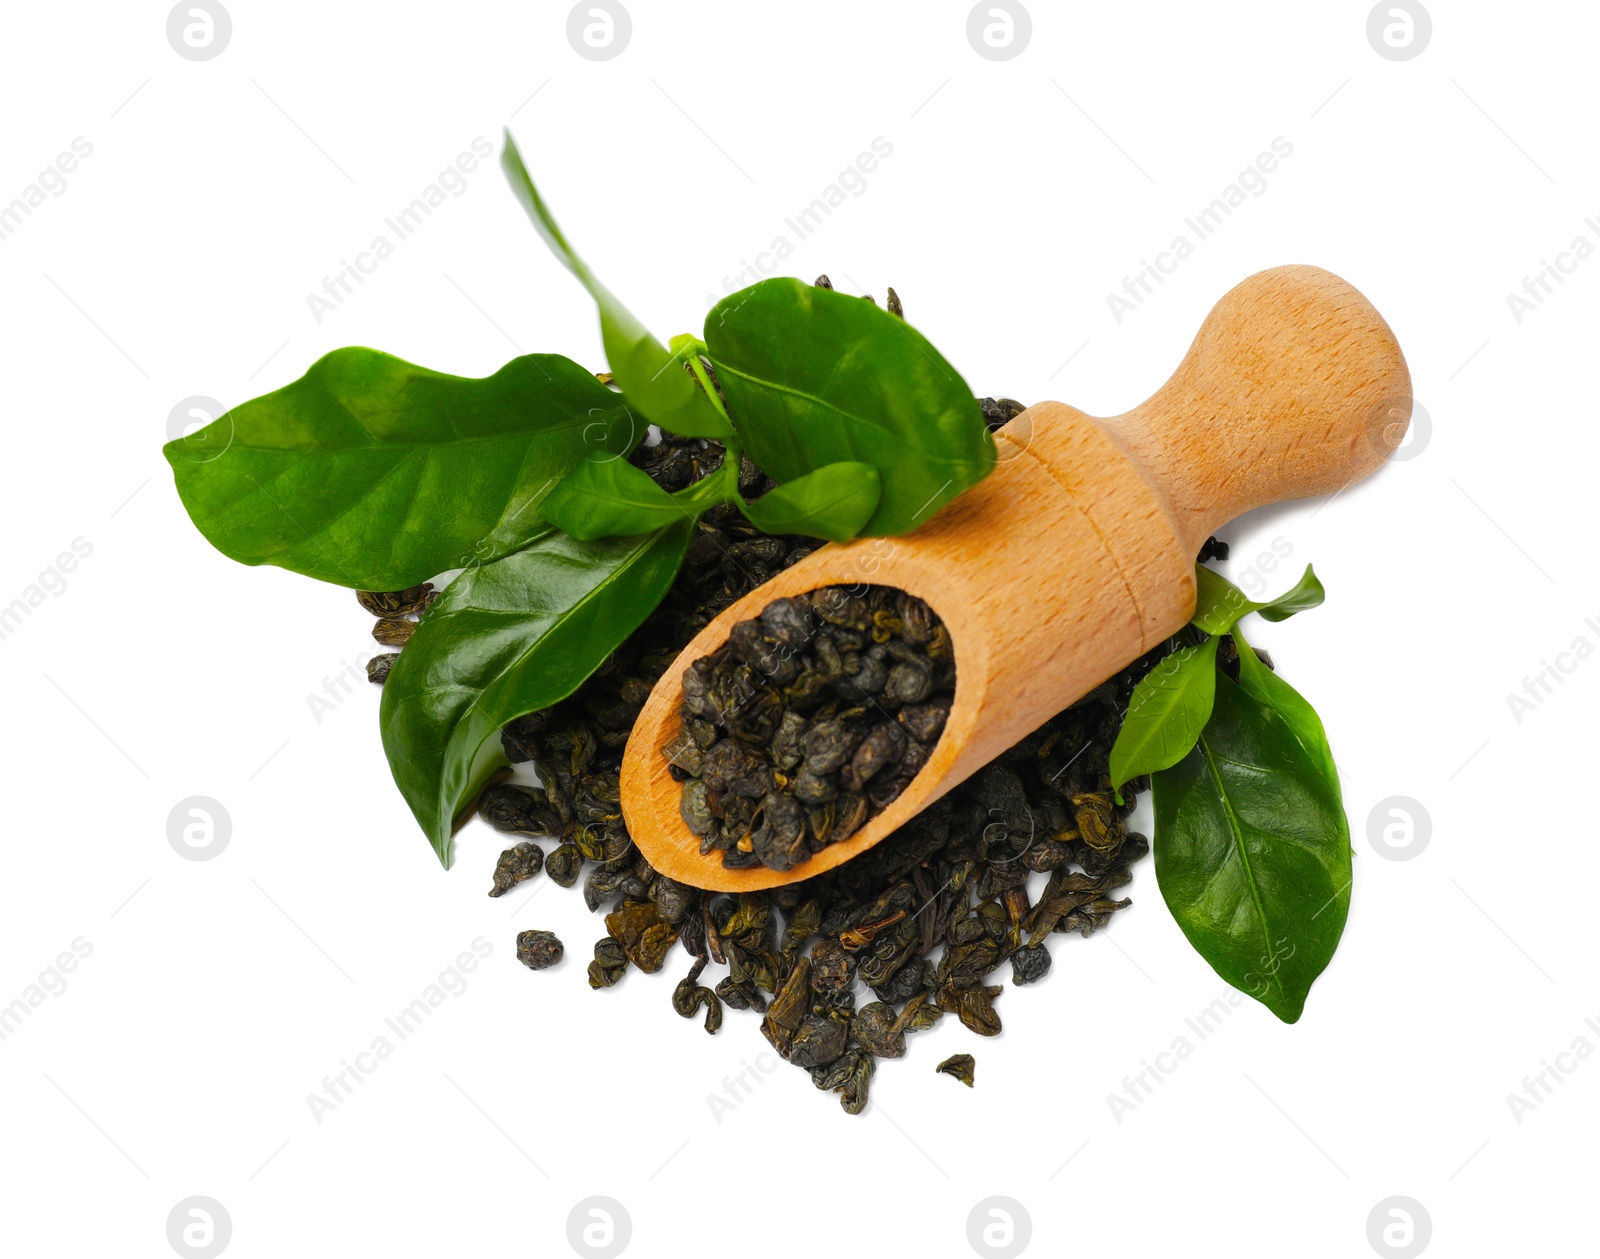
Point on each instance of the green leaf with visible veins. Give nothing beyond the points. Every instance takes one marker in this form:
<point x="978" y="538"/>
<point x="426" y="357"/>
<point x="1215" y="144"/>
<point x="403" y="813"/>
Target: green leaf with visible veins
<point x="1252" y="852"/>
<point x="650" y="376"/>
<point x="374" y="473"/>
<point x="833" y="503"/>
<point x="1168" y="709"/>
<point x="504" y="640"/>
<point x="1266" y="687"/>
<point x="609" y="499"/>
<point x="813" y="377"/>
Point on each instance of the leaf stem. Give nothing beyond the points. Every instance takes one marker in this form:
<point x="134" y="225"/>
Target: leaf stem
<point x="692" y="349"/>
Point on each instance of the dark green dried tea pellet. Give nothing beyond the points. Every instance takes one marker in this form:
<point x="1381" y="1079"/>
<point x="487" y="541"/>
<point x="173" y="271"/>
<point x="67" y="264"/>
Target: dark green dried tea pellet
<point x="1029" y="963"/>
<point x="396" y="602"/>
<point x="960" y="1066"/>
<point x="877" y="1031"/>
<point x="522" y="861"/>
<point x="393" y="631"/>
<point x="538" y="950"/>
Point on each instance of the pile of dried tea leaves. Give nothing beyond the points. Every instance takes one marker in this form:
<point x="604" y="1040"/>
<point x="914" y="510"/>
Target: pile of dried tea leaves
<point x="809" y="721"/>
<point x="843" y="967"/>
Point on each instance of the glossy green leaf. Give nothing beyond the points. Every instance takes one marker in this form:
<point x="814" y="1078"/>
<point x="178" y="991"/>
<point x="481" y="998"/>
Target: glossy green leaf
<point x="652" y="378"/>
<point x="609" y="499"/>
<point x="1253" y="852"/>
<point x="1219" y="605"/>
<point x="1266" y="687"/>
<point x="504" y="640"/>
<point x="833" y="503"/>
<point x="374" y="473"/>
<point x="1306" y="594"/>
<point x="1168" y="709"/>
<point x="813" y="377"/>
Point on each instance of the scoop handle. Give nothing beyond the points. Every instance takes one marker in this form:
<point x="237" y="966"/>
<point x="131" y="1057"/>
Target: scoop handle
<point x="1293" y="387"/>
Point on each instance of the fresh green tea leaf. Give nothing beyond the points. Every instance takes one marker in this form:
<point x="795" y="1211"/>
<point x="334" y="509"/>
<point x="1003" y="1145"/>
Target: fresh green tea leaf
<point x="504" y="640"/>
<point x="1168" y="709"/>
<point x="374" y="473"/>
<point x="1266" y="687"/>
<point x="609" y="498"/>
<point x="1219" y="605"/>
<point x="833" y="503"/>
<point x="813" y="377"/>
<point x="1307" y="594"/>
<point x="1253" y="852"/>
<point x="650" y="376"/>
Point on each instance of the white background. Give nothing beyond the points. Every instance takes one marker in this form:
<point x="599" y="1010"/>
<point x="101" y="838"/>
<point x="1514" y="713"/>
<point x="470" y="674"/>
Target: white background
<point x="177" y="262"/>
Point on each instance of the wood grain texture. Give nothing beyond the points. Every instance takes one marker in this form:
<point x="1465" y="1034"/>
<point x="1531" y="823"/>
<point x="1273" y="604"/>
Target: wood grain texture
<point x="1076" y="555"/>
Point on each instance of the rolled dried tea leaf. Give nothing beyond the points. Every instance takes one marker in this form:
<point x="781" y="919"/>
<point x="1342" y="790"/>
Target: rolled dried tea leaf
<point x="958" y="1065"/>
<point x="850" y="1076"/>
<point x="689" y="996"/>
<point x="818" y="1041"/>
<point x="644" y="937"/>
<point x="878" y="1031"/>
<point x="998" y="412"/>
<point x="519" y="862"/>
<point x="397" y="602"/>
<point x="378" y="666"/>
<point x="610" y="963"/>
<point x="538" y="950"/>
<point x="1029" y="964"/>
<point x="514" y="809"/>
<point x="564" y="865"/>
<point x="394" y="631"/>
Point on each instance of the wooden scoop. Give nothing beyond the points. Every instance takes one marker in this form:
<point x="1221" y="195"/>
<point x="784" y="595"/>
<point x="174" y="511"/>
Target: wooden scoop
<point x="1076" y="555"/>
